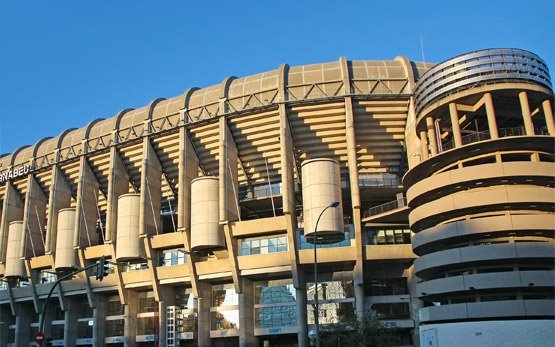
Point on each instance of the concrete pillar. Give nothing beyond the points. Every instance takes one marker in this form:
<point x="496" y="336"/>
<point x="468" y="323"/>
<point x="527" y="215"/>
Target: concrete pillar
<point x="188" y="170"/>
<point x="548" y="114"/>
<point x="455" y="124"/>
<point x="34" y="220"/>
<point x="151" y="191"/>
<point x="23" y="320"/>
<point x="203" y="326"/>
<point x="359" y="301"/>
<point x="99" y="315"/>
<point x="167" y="298"/>
<point x="526" y="115"/>
<point x="302" y="337"/>
<point x="118" y="184"/>
<point x="59" y="198"/>
<point x="431" y="135"/>
<point x="424" y="146"/>
<point x="130" y="313"/>
<point x="12" y="210"/>
<point x="492" y="121"/>
<point x="71" y="315"/>
<point x="246" y="315"/>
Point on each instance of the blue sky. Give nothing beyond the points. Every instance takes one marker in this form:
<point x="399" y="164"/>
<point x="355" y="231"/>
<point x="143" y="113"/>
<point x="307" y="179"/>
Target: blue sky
<point x="65" y="63"/>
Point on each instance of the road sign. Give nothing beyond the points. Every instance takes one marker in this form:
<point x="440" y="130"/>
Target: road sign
<point x="39" y="337"/>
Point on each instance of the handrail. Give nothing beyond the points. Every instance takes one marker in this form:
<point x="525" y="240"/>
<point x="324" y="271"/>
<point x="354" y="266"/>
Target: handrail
<point x="383" y="208"/>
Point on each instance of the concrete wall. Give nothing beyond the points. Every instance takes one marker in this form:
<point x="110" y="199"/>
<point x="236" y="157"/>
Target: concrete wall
<point x="515" y="333"/>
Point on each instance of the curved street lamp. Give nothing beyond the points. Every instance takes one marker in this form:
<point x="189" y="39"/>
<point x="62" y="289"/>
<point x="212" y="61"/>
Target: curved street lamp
<point x="315" y="240"/>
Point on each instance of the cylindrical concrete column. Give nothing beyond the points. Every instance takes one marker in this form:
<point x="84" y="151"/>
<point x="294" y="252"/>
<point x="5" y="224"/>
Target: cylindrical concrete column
<point x="455" y="124"/>
<point x="14" y="265"/>
<point x="321" y="182"/>
<point x="128" y="244"/>
<point x="526" y="115"/>
<point x="66" y="258"/>
<point x="424" y="146"/>
<point x="431" y="135"/>
<point x="548" y="114"/>
<point x="490" y="112"/>
<point x="205" y="226"/>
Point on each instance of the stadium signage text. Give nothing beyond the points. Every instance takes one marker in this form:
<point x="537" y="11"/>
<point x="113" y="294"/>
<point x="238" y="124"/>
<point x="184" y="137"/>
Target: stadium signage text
<point x="9" y="175"/>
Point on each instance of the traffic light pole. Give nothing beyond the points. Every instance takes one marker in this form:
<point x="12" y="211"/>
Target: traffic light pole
<point x="43" y="313"/>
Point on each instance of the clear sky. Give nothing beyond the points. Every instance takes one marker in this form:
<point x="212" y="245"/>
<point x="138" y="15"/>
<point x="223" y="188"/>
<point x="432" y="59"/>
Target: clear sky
<point x="65" y="63"/>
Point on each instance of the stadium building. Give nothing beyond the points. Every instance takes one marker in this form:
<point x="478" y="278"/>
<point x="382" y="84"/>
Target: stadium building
<point x="427" y="190"/>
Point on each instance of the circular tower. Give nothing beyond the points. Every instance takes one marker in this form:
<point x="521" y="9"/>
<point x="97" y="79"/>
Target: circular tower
<point x="480" y="189"/>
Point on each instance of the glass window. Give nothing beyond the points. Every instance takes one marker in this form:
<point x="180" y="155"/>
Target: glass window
<point x="85" y="329"/>
<point x="114" y="306"/>
<point x="275" y="303"/>
<point x="275" y="316"/>
<point x="115" y="327"/>
<point x="331" y="312"/>
<point x="147" y="302"/>
<point x="146" y="325"/>
<point x="173" y="257"/>
<point x="331" y="290"/>
<point x="391" y="310"/>
<point x="389" y="236"/>
<point x="224" y="295"/>
<point x="264" y="245"/>
<point x="223" y="320"/>
<point x="47" y="277"/>
<point x="275" y="292"/>
<point x="386" y="286"/>
<point x="57" y="331"/>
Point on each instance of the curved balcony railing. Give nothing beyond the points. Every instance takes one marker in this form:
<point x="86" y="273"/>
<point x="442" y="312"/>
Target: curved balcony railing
<point x="477" y="68"/>
<point x="485" y="135"/>
<point x="383" y="208"/>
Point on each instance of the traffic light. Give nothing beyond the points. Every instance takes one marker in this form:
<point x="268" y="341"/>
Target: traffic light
<point x="102" y="268"/>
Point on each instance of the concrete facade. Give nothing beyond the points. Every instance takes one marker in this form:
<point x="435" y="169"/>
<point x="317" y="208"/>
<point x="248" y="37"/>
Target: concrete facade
<point x="470" y="142"/>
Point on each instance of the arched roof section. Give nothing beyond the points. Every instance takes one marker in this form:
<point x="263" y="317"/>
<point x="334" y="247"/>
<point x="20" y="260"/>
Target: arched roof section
<point x="119" y="117"/>
<point x="5" y="161"/>
<point x="252" y="91"/>
<point x="314" y="81"/>
<point x="37" y="145"/>
<point x="379" y="77"/>
<point x="45" y="148"/>
<point x="204" y="103"/>
<point x="22" y="156"/>
<point x="102" y="128"/>
<point x="168" y="107"/>
<point x="90" y="126"/>
<point x="72" y="138"/>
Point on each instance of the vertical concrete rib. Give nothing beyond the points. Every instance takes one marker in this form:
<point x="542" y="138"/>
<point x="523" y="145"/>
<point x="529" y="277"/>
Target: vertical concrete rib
<point x="34" y="220"/>
<point x="228" y="194"/>
<point x="355" y="191"/>
<point x="59" y="198"/>
<point x="118" y="184"/>
<point x="188" y="170"/>
<point x="85" y="209"/>
<point x="12" y="210"/>
<point x="151" y="191"/>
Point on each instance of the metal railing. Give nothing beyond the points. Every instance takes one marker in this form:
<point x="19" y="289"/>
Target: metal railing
<point x="387" y="207"/>
<point x="485" y="135"/>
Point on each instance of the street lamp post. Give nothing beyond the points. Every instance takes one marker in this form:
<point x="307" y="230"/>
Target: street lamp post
<point x="315" y="240"/>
